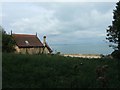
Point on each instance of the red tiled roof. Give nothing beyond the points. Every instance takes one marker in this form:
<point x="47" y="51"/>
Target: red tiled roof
<point x="24" y="40"/>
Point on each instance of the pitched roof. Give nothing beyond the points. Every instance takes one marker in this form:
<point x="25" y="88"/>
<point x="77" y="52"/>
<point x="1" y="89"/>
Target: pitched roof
<point x="48" y="47"/>
<point x="24" y="40"/>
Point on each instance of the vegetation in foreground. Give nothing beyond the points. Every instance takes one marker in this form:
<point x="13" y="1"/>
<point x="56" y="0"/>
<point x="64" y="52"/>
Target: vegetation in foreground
<point x="53" y="71"/>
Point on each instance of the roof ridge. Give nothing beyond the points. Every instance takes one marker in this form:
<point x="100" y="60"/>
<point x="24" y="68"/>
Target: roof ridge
<point x="24" y="34"/>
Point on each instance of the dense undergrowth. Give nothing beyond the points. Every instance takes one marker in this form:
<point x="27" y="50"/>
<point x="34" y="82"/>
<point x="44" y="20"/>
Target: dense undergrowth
<point x="53" y="71"/>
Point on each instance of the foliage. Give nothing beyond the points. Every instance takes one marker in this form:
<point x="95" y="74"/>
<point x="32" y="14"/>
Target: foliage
<point x="54" y="71"/>
<point x="7" y="42"/>
<point x="113" y="31"/>
<point x="116" y="54"/>
<point x="0" y="39"/>
<point x="58" y="53"/>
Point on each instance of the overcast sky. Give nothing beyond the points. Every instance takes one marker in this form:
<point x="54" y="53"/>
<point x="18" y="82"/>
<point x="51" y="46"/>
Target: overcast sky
<point x="64" y="23"/>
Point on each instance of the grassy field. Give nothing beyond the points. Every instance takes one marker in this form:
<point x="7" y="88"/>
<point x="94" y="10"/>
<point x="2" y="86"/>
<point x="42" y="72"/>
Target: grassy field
<point x="53" y="71"/>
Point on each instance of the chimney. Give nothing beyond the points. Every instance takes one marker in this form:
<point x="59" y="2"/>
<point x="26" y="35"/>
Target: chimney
<point x="36" y="33"/>
<point x="44" y="40"/>
<point x="11" y="32"/>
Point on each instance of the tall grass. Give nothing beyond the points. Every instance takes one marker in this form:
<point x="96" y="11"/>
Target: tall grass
<point x="53" y="71"/>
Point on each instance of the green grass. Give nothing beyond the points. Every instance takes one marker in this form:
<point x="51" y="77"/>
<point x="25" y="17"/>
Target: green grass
<point x="52" y="71"/>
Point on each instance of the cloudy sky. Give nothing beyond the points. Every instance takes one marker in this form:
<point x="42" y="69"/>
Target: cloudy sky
<point x="63" y="23"/>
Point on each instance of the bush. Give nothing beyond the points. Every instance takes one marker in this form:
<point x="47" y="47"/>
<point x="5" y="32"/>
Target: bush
<point x="46" y="71"/>
<point x="116" y="54"/>
<point x="7" y="42"/>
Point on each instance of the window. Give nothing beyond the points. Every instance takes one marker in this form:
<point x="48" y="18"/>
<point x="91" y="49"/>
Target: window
<point x="27" y="43"/>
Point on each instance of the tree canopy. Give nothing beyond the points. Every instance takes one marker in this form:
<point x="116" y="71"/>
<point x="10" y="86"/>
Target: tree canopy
<point x="7" y="41"/>
<point x="113" y="31"/>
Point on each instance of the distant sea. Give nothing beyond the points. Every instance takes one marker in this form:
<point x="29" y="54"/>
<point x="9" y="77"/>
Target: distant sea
<point x="83" y="48"/>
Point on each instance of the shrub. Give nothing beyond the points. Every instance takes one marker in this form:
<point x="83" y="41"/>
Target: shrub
<point x="116" y="54"/>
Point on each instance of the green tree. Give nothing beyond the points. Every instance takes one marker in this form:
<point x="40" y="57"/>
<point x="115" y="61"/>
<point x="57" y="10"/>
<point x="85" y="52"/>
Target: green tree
<point x="0" y="39"/>
<point x="113" y="31"/>
<point x="7" y="41"/>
